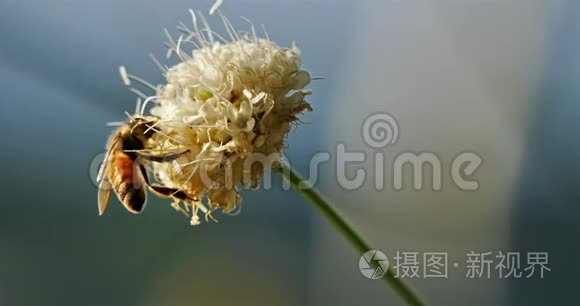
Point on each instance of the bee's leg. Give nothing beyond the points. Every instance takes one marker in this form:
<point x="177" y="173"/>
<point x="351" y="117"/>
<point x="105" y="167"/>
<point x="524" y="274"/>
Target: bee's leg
<point x="161" y="158"/>
<point x="165" y="191"/>
<point x="144" y="173"/>
<point x="171" y="193"/>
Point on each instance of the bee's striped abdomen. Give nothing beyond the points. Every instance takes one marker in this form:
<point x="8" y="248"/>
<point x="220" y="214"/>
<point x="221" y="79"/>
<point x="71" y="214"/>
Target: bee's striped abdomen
<point x="128" y="184"/>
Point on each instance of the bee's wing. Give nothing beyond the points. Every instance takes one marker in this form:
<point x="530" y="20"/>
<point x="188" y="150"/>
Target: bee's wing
<point x="104" y="184"/>
<point x="105" y="164"/>
<point x="103" y="195"/>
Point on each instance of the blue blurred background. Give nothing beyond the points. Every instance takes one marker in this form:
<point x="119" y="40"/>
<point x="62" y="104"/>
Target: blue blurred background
<point x="495" y="77"/>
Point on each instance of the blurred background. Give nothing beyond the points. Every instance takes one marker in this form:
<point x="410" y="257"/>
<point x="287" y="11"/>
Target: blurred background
<point x="499" y="78"/>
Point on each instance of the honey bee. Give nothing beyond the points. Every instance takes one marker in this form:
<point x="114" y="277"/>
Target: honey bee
<point x="123" y="171"/>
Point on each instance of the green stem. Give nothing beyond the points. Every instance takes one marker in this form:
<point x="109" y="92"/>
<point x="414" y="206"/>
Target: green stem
<point x="300" y="185"/>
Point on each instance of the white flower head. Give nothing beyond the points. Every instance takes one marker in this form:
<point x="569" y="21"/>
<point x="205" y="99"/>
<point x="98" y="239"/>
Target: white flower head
<point x="231" y="103"/>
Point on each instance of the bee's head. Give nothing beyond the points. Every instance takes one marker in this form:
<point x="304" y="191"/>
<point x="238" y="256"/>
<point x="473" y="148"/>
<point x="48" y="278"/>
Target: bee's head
<point x="142" y="125"/>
